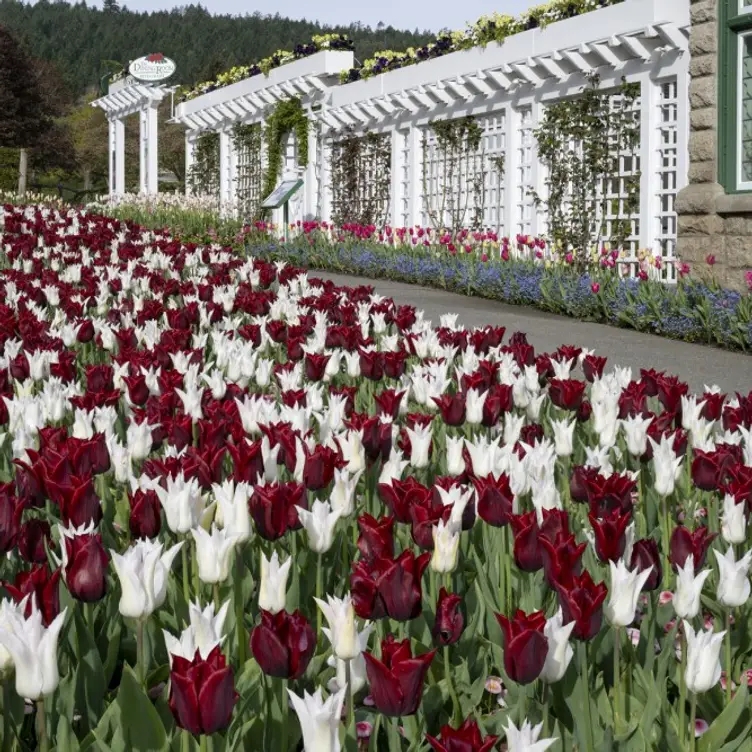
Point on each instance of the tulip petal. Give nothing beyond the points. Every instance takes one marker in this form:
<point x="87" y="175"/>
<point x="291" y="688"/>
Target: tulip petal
<point x="217" y="700"/>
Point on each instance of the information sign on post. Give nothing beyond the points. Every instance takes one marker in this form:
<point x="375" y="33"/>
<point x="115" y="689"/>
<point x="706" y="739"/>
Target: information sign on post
<point x="281" y="196"/>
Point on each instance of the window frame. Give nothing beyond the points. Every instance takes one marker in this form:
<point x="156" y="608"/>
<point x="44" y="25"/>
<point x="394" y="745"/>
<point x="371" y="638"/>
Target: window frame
<point x="734" y="26"/>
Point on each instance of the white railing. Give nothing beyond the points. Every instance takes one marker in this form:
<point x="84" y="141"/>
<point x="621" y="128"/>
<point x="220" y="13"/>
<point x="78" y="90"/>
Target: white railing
<point x="506" y="87"/>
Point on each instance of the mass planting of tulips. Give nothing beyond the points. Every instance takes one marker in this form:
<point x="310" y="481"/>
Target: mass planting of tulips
<point x="244" y="509"/>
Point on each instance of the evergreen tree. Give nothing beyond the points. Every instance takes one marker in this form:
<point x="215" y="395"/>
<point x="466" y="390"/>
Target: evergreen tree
<point x="111" y="6"/>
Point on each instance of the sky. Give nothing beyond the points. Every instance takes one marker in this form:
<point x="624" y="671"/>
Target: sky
<point x="402" y="14"/>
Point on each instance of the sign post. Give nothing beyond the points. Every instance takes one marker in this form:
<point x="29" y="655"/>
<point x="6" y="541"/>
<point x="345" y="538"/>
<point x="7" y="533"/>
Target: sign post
<point x="281" y="196"/>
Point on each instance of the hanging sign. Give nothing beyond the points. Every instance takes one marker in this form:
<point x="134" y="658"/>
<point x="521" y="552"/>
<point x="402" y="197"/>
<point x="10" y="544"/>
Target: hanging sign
<point x="154" y="67"/>
<point x="281" y="194"/>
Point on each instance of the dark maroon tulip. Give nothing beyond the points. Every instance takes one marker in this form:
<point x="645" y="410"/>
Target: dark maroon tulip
<point x="78" y="502"/>
<point x="450" y="621"/>
<point x="11" y="510"/>
<point x="372" y="365"/>
<point x="273" y="508"/>
<point x="396" y="681"/>
<point x="605" y="495"/>
<point x="376" y="539"/>
<point x="388" y="402"/>
<point x="85" y="331"/>
<point x="247" y="461"/>
<point x="561" y="559"/>
<point x="592" y="367"/>
<point x="283" y="644"/>
<point x="44" y="588"/>
<point x="320" y="464"/>
<point x="138" y="391"/>
<point x="579" y="482"/>
<point x="525" y="645"/>
<point x="315" y="366"/>
<point x="202" y="693"/>
<point x="645" y="554"/>
<point x="684" y="544"/>
<point x="146" y="514"/>
<point x="467" y="738"/>
<point x="582" y="602"/>
<point x="31" y="541"/>
<point x="500" y="400"/>
<point x="389" y="587"/>
<point x="401" y="495"/>
<point x="86" y="567"/>
<point x="566" y="394"/>
<point x="528" y="554"/>
<point x="633" y="400"/>
<point x="710" y="469"/>
<point x="495" y="499"/>
<point x="610" y="534"/>
<point x="425" y="517"/>
<point x="452" y="408"/>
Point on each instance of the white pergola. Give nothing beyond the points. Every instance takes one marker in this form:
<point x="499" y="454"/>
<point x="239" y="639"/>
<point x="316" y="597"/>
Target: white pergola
<point x="124" y="99"/>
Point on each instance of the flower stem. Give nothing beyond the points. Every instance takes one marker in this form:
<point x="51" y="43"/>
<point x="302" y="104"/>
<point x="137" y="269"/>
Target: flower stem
<point x="186" y="575"/>
<point x="319" y="590"/>
<point x="456" y="707"/>
<point x="239" y="610"/>
<point x="728" y="656"/>
<point x="544" y="703"/>
<point x="7" y="740"/>
<point x="185" y="741"/>
<point x="203" y="743"/>
<point x="215" y="591"/>
<point x="666" y="532"/>
<point x="350" y="697"/>
<point x="285" y="707"/>
<point x="584" y="683"/>
<point x="618" y="710"/>
<point x="140" y="658"/>
<point x="683" y="693"/>
<point x="44" y="744"/>
<point x="692" y="719"/>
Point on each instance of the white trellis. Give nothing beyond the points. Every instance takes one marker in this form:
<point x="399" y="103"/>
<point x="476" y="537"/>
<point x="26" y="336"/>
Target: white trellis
<point x="506" y="88"/>
<point x="123" y="100"/>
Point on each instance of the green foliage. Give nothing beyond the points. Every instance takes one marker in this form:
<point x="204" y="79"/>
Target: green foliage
<point x="189" y="34"/>
<point x="203" y="176"/>
<point x="248" y="141"/>
<point x="581" y="142"/>
<point x="360" y="173"/>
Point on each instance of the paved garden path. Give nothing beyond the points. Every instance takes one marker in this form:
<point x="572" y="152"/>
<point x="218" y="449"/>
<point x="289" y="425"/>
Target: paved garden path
<point x="697" y="364"/>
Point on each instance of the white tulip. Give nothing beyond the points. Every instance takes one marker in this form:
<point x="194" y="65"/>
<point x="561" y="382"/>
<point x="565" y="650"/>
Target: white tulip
<point x="204" y="632"/>
<point x="341" y="633"/>
<point x="232" y="508"/>
<point x="319" y="524"/>
<point x="273" y="587"/>
<point x="358" y="677"/>
<point x="475" y="403"/>
<point x="666" y="464"/>
<point x="139" y="440"/>
<point x="455" y="458"/>
<point x="624" y="593"/>
<point x="734" y="523"/>
<point x="182" y="502"/>
<point x="142" y="571"/>
<point x="213" y="552"/>
<point x="33" y="648"/>
<point x="420" y="445"/>
<point x="446" y="545"/>
<point x="564" y="436"/>
<point x="319" y="719"/>
<point x="457" y="498"/>
<point x="9" y="610"/>
<point x="191" y="398"/>
<point x="525" y="738"/>
<point x="342" y="497"/>
<point x="686" y="600"/>
<point x="733" y="578"/>
<point x="703" y="658"/>
<point x="560" y="652"/>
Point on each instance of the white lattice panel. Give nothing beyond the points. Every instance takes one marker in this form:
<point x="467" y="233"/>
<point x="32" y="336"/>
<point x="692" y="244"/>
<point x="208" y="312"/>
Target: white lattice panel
<point x="403" y="215"/>
<point x="249" y="174"/>
<point x="524" y="182"/>
<point x="494" y="148"/>
<point x="669" y="149"/>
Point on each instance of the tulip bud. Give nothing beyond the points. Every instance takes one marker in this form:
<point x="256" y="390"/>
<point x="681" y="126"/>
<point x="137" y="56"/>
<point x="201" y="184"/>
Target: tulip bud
<point x="525" y="645"/>
<point x="446" y="546"/>
<point x="283" y="644"/>
<point x="146" y="514"/>
<point x="85" y="563"/>
<point x="467" y="738"/>
<point x="450" y="621"/>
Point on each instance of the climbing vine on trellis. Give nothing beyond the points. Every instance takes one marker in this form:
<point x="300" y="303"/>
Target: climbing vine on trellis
<point x="589" y="146"/>
<point x="361" y="168"/>
<point x="203" y="176"/>
<point x="455" y="168"/>
<point x="249" y="191"/>
<point x="287" y="117"/>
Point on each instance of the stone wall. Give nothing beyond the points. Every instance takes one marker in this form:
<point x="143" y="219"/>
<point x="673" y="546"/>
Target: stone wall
<point x="710" y="221"/>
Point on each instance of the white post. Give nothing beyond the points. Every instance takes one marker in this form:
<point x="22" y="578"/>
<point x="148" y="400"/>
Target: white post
<point x="224" y="169"/>
<point x="682" y="124"/>
<point x="415" y="182"/>
<point x="395" y="199"/>
<point x="152" y="149"/>
<point x="325" y="191"/>
<point x="511" y="165"/>
<point x="111" y="151"/>
<point x="119" y="158"/>
<point x="190" y="156"/>
<point x="649" y="154"/>
<point x="538" y="178"/>
<point x="310" y="186"/>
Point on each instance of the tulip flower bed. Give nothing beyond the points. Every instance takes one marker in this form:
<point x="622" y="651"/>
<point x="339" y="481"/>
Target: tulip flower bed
<point x="243" y="509"/>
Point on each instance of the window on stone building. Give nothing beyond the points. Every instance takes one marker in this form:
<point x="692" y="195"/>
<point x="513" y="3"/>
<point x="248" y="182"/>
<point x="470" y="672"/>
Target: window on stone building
<point x="735" y="95"/>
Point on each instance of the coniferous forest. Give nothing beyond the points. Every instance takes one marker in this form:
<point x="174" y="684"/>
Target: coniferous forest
<point x="72" y="48"/>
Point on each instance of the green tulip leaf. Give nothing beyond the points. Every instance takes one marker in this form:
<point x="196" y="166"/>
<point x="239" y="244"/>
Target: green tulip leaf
<point x="91" y="686"/>
<point x="66" y="739"/>
<point x="724" y="724"/>
<point x="141" y="723"/>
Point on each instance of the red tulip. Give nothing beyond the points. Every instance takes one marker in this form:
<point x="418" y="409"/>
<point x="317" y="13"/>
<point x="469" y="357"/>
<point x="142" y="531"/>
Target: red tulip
<point x="138" y="391"/>
<point x="710" y="469"/>
<point x="372" y="365"/>
<point x="77" y="499"/>
<point x="401" y="495"/>
<point x="581" y="601"/>
<point x="606" y="495"/>
<point x="146" y="514"/>
<point x="610" y="534"/>
<point x="377" y="435"/>
<point x="425" y="517"/>
<point x="561" y="559"/>
<point x="389" y="587"/>
<point x="283" y="644"/>
<point x="33" y="535"/>
<point x="452" y="408"/>
<point x="467" y="738"/>
<point x="11" y="510"/>
<point x="528" y="554"/>
<point x="633" y="400"/>
<point x="592" y="366"/>
<point x="396" y="681"/>
<point x="315" y="366"/>
<point x="86" y="567"/>
<point x="85" y="332"/>
<point x="500" y="400"/>
<point x="450" y="621"/>
<point x="42" y="586"/>
<point x="320" y="464"/>
<point x="684" y="544"/>
<point x="495" y="499"/>
<point x="525" y="645"/>
<point x="644" y="555"/>
<point x="376" y="539"/>
<point x="202" y="693"/>
<point x="566" y="394"/>
<point x="247" y="461"/>
<point x="388" y="402"/>
<point x="273" y="508"/>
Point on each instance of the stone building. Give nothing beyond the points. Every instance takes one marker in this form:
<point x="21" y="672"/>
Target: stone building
<point x="715" y="209"/>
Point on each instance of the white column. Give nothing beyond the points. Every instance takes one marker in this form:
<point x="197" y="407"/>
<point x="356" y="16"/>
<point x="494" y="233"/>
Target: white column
<point x="310" y="184"/>
<point x="325" y="188"/>
<point x="415" y="178"/>
<point x="190" y="156"/>
<point x="224" y="168"/>
<point x="682" y="124"/>
<point x="538" y="223"/>
<point x="395" y="192"/>
<point x="152" y="149"/>
<point x="119" y="157"/>
<point x="649" y="155"/>
<point x="143" y="127"/>
<point x="511" y="166"/>
<point x="111" y="151"/>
